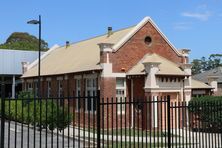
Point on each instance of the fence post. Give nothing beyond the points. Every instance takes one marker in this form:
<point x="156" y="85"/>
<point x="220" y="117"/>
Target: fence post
<point x="2" y="113"/>
<point x="98" y="119"/>
<point x="168" y="122"/>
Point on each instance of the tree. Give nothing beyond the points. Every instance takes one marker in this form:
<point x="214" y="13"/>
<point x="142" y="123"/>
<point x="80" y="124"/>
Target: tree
<point x="214" y="61"/>
<point x="196" y="66"/>
<point x="23" y="41"/>
<point x="203" y="64"/>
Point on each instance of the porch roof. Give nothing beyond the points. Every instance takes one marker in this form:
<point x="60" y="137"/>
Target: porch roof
<point x="166" y="67"/>
<point x="195" y="84"/>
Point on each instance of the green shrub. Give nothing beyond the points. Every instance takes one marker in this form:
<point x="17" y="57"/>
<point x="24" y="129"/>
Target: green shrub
<point x="208" y="109"/>
<point x="53" y="116"/>
<point x="26" y="95"/>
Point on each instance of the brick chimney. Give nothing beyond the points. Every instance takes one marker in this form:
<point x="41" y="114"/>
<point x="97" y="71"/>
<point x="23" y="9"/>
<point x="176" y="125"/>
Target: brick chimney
<point x="185" y="54"/>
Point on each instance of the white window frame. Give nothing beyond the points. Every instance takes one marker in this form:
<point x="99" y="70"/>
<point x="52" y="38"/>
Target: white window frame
<point x="36" y="88"/>
<point x="49" y="88"/>
<point x="60" y="89"/>
<point x="123" y="97"/>
<point x="78" y="93"/>
<point x="91" y="87"/>
<point x="30" y="86"/>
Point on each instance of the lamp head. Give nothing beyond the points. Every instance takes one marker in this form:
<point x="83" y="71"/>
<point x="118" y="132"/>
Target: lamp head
<point x="33" y="22"/>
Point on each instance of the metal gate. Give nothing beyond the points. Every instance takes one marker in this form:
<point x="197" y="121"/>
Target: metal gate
<point x="108" y="122"/>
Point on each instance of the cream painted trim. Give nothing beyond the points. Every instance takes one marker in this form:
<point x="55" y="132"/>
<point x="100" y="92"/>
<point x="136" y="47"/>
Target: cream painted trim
<point x="59" y="78"/>
<point x="77" y="76"/>
<point x="163" y="90"/>
<point x="93" y="76"/>
<point x="48" y="79"/>
<point x="157" y="91"/>
<point x="29" y="80"/>
<point x="115" y="75"/>
<point x="120" y="75"/>
<point x="66" y="77"/>
<point x="132" y="104"/>
<point x="136" y="29"/>
<point x="155" y="112"/>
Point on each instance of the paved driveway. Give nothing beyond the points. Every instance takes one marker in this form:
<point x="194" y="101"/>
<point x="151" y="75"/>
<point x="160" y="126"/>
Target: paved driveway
<point x="27" y="140"/>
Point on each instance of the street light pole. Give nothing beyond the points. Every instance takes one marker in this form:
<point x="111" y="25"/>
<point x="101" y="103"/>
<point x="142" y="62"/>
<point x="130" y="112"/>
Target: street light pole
<point x="39" y="81"/>
<point x="2" y="134"/>
<point x="39" y="22"/>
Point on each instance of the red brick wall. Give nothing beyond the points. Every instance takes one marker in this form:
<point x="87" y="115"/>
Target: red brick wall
<point x="107" y="87"/>
<point x="138" y="87"/>
<point x="135" y="49"/>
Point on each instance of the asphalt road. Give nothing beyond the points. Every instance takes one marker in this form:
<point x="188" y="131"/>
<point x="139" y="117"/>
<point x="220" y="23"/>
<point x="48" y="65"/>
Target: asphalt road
<point x="24" y="138"/>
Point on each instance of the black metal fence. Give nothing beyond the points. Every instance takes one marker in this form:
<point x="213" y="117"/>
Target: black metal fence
<point x="109" y="122"/>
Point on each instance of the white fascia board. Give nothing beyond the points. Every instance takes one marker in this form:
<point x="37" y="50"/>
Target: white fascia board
<point x="42" y="56"/>
<point x="164" y="36"/>
<point x="136" y="29"/>
<point x="130" y="34"/>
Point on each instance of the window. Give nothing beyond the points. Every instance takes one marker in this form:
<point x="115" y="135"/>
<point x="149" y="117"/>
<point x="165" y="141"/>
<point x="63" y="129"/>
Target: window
<point x="78" y="94"/>
<point x="120" y="82"/>
<point x="60" y="90"/>
<point x="148" y="40"/>
<point x="48" y="89"/>
<point x="30" y="87"/>
<point x="36" y="88"/>
<point x="120" y="94"/>
<point x="91" y="92"/>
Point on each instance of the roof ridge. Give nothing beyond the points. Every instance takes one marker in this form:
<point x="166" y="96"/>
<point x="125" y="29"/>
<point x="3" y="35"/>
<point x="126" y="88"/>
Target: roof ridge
<point x="97" y="36"/>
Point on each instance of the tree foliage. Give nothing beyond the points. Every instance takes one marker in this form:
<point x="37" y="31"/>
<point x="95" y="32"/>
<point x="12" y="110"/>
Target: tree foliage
<point x="205" y="64"/>
<point x="23" y="41"/>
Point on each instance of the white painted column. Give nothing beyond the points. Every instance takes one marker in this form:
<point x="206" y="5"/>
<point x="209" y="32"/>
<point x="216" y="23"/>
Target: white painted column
<point x="155" y="115"/>
<point x="132" y="117"/>
<point x="13" y="86"/>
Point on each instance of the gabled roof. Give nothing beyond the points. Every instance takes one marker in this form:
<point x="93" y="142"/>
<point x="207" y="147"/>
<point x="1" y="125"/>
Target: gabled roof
<point x="166" y="67"/>
<point x="78" y="57"/>
<point x="137" y="28"/>
<point x="205" y="75"/>
<point x="195" y="84"/>
<point x="85" y="55"/>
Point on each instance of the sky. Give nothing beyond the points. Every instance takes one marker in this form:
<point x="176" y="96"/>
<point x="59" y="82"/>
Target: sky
<point x="192" y="24"/>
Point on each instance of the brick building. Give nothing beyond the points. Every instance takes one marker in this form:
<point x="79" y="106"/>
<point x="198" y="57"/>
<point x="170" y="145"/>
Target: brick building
<point x="212" y="77"/>
<point x="138" y="61"/>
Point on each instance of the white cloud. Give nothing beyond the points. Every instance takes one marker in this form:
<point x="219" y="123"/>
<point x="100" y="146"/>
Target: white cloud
<point x="182" y="26"/>
<point x="200" y="16"/>
<point x="202" y="6"/>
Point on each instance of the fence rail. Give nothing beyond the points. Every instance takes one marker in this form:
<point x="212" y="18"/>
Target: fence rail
<point x="109" y="122"/>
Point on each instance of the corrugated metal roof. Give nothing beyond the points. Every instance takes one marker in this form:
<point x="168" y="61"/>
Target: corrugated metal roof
<point x="78" y="57"/>
<point x="199" y="85"/>
<point x="11" y="60"/>
<point x="205" y="75"/>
